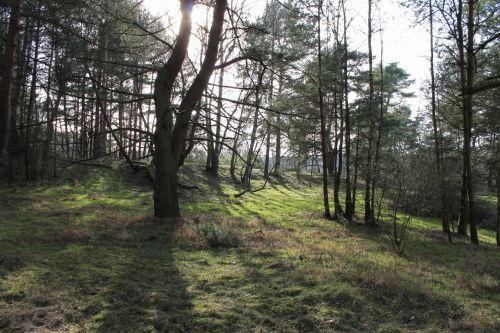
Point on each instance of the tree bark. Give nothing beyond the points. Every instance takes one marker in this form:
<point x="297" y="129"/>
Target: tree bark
<point x="368" y="179"/>
<point x="348" y="200"/>
<point x="322" y="121"/>
<point x="170" y="138"/>
<point x="245" y="179"/>
<point x="437" y="151"/>
<point x="31" y="109"/>
<point x="498" y="196"/>
<point x="8" y="72"/>
<point x="468" y="115"/>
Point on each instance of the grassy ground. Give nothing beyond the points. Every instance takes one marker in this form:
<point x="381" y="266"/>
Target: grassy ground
<point x="85" y="255"/>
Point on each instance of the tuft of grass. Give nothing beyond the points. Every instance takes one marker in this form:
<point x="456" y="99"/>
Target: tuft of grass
<point x="217" y="235"/>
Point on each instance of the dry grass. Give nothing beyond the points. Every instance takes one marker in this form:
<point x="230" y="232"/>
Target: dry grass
<point x="72" y="235"/>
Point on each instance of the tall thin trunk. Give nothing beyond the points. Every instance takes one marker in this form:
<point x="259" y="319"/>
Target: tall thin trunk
<point x="348" y="201"/>
<point x="8" y="72"/>
<point x="439" y="162"/>
<point x="498" y="196"/>
<point x="464" y="209"/>
<point x="468" y="115"/>
<point x="338" y="165"/>
<point x="355" y="178"/>
<point x="277" y="165"/>
<point x="245" y="179"/>
<point x="232" y="166"/>
<point x="380" y="124"/>
<point x="50" y="124"/>
<point x="31" y="108"/>
<point x="322" y="119"/>
<point x="368" y="179"/>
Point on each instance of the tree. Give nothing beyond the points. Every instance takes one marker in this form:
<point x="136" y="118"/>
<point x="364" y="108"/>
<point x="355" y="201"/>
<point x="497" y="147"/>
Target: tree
<point x="8" y="70"/>
<point x="369" y="216"/>
<point x="169" y="136"/>
<point x="326" y="203"/>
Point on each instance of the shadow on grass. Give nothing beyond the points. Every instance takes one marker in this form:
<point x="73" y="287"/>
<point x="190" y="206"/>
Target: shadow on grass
<point x="95" y="285"/>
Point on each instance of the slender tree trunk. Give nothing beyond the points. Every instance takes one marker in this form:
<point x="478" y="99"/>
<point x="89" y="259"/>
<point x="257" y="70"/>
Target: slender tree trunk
<point x="348" y="200"/>
<point x="464" y="209"/>
<point x="218" y="117"/>
<point x="31" y="108"/>
<point x="6" y="82"/>
<point x="50" y="125"/>
<point x="245" y="179"/>
<point x="468" y="114"/>
<point x="268" y="148"/>
<point x="338" y="168"/>
<point x="277" y="165"/>
<point x="355" y="179"/>
<point x="498" y="195"/>
<point x="322" y="120"/>
<point x="368" y="179"/>
<point x="439" y="162"/>
<point x="380" y="126"/>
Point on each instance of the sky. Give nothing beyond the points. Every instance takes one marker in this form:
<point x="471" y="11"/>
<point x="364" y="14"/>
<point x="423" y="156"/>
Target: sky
<point x="403" y="42"/>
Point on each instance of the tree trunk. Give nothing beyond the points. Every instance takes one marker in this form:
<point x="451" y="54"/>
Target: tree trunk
<point x="245" y="179"/>
<point x="170" y="138"/>
<point x="338" y="164"/>
<point x="348" y="200"/>
<point x="277" y="164"/>
<point x="8" y="71"/>
<point x="379" y="128"/>
<point x="439" y="162"/>
<point x="322" y="121"/>
<point x="498" y="198"/>
<point x="31" y="108"/>
<point x="368" y="179"/>
<point x="468" y="115"/>
<point x="355" y="178"/>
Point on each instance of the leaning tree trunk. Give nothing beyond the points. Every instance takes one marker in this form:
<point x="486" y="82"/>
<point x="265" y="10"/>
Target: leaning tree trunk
<point x="8" y="72"/>
<point x="169" y="137"/>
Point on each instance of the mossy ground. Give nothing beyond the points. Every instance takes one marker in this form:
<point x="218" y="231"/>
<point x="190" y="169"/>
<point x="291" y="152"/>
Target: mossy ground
<point x="83" y="254"/>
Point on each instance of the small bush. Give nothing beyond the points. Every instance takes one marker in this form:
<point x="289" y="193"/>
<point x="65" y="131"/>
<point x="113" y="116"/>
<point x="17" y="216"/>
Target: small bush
<point x="217" y="235"/>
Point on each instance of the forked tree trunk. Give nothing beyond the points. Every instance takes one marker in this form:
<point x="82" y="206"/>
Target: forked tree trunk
<point x="169" y="137"/>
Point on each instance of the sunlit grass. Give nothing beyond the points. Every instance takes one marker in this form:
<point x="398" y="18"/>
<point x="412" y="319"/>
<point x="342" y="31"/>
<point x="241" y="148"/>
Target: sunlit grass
<point x="84" y="255"/>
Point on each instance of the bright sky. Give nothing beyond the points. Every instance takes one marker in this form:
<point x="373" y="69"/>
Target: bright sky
<point x="403" y="42"/>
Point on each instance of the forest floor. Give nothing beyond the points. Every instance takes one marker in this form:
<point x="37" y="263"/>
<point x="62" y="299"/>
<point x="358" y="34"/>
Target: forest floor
<point x="83" y="254"/>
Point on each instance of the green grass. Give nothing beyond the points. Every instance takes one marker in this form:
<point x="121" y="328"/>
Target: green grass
<point x="83" y="254"/>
